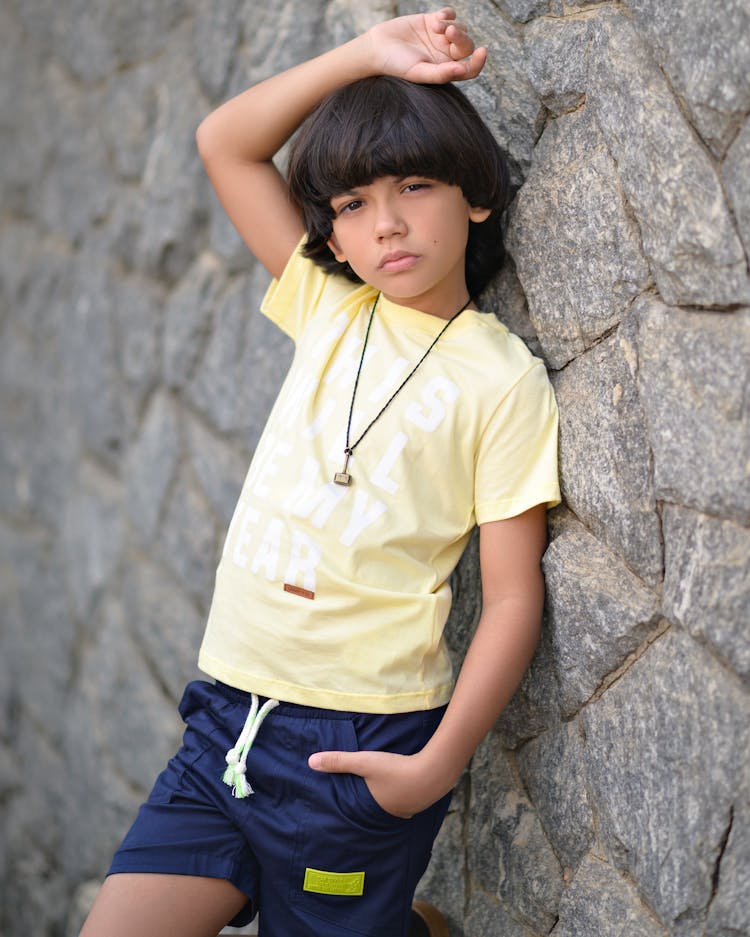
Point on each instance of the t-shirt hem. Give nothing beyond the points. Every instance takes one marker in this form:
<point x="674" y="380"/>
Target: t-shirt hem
<point x="324" y="698"/>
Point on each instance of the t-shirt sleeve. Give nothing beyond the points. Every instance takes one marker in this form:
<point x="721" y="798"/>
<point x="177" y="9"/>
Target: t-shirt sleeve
<point x="516" y="466"/>
<point x="303" y="287"/>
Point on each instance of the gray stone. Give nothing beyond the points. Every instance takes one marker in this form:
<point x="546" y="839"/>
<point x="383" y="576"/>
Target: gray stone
<point x="736" y="174"/>
<point x="444" y="882"/>
<point x="692" y="380"/>
<point x="120" y="731"/>
<point x="243" y="366"/>
<point x="502" y="93"/>
<point x="706" y="582"/>
<point x="600" y="901"/>
<point x="707" y="58"/>
<point x="508" y="850"/>
<point x="130" y="119"/>
<point x="139" y="323"/>
<point x="576" y="249"/>
<point x="663" y="779"/>
<point x="729" y="913"/>
<point x="524" y="10"/>
<point x="505" y="297"/>
<point x="151" y="466"/>
<point x="167" y="625"/>
<point x="168" y="216"/>
<point x="80" y="905"/>
<point x="605" y="462"/>
<point x="598" y="611"/>
<point x="557" y="61"/>
<point x="553" y="772"/>
<point x="687" y="231"/>
<point x="216" y="35"/>
<point x="189" y="539"/>
<point x="75" y="190"/>
<point x="86" y="333"/>
<point x="220" y="468"/>
<point x="91" y="534"/>
<point x="187" y="322"/>
<point x="488" y="918"/>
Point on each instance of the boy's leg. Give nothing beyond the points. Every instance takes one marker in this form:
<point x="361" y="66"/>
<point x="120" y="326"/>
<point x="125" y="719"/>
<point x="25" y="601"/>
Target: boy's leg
<point x="156" y="905"/>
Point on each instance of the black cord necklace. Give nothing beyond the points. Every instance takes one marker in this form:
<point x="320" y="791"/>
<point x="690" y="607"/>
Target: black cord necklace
<point x="343" y="477"/>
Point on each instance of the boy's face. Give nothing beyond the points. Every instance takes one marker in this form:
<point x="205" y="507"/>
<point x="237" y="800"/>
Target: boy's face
<point x="407" y="238"/>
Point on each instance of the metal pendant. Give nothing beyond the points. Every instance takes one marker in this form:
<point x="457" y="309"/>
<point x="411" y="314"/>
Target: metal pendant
<point x="343" y="477"/>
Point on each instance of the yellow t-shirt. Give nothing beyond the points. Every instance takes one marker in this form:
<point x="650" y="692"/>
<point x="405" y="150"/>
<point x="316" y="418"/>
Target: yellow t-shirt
<point x="337" y="596"/>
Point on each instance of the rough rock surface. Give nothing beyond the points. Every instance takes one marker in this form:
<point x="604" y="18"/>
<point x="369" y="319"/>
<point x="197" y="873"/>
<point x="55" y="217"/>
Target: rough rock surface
<point x="613" y="797"/>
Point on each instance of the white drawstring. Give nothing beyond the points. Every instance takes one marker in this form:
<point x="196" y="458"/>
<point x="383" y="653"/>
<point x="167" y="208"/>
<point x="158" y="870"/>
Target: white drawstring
<point x="236" y="757"/>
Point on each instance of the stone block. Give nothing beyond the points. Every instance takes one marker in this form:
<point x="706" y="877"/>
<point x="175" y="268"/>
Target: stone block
<point x="576" y="249"/>
<point x="188" y="314"/>
<point x="706" y="582"/>
<point x="86" y="333"/>
<point x="243" y="367"/>
<point x="120" y="731"/>
<point x="91" y="536"/>
<point x="151" y="465"/>
<point x="729" y="913"/>
<point x="216" y="34"/>
<point x="502" y="93"/>
<point x="598" y="612"/>
<point x="189" y="538"/>
<point x="129" y="119"/>
<point x="219" y="467"/>
<point x="508" y="851"/>
<point x="707" y="58"/>
<point x="489" y="918"/>
<point x="167" y="216"/>
<point x="663" y="777"/>
<point x="553" y="773"/>
<point x="692" y="380"/>
<point x="524" y="10"/>
<point x="599" y="901"/>
<point x="535" y="706"/>
<point x="557" y="61"/>
<point x="605" y="461"/>
<point x="669" y="181"/>
<point x="167" y="624"/>
<point x="736" y="175"/>
<point x="505" y="297"/>
<point x="444" y="882"/>
<point x="139" y="324"/>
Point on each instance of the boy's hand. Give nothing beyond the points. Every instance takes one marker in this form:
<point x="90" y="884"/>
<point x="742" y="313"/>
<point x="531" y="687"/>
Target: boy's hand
<point x="401" y="784"/>
<point x="427" y="48"/>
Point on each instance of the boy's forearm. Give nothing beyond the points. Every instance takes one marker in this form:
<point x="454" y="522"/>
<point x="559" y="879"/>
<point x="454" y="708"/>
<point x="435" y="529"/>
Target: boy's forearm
<point x="500" y="653"/>
<point x="255" y="124"/>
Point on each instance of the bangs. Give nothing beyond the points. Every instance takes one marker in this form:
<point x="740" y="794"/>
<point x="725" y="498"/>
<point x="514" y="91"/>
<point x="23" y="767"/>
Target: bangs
<point x="385" y="134"/>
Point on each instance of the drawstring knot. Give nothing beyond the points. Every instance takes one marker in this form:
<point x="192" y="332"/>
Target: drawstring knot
<point x="236" y="757"/>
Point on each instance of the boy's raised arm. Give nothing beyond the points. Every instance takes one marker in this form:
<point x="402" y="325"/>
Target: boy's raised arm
<point x="237" y="142"/>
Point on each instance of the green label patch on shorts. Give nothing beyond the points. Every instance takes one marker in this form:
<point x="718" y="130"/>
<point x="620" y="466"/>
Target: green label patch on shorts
<point x="334" y="883"/>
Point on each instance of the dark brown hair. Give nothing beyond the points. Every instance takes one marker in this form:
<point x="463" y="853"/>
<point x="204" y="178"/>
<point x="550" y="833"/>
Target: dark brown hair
<point x="386" y="126"/>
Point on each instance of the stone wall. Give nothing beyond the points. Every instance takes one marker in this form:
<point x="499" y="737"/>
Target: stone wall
<point x="614" y="796"/>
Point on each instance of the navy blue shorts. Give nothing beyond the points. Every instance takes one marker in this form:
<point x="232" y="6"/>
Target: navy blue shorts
<point x="314" y="853"/>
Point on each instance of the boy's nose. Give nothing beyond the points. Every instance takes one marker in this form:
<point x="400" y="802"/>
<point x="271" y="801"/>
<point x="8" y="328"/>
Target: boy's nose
<point x="389" y="223"/>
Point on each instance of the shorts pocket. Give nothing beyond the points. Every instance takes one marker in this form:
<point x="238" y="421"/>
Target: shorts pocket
<point x="351" y="857"/>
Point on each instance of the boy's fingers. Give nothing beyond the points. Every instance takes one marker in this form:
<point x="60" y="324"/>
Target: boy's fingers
<point x="337" y="762"/>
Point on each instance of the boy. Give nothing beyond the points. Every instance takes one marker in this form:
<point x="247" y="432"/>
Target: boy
<point x="407" y="417"/>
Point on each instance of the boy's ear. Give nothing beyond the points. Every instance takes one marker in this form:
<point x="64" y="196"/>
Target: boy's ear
<point x="479" y="214"/>
<point x="336" y="249"/>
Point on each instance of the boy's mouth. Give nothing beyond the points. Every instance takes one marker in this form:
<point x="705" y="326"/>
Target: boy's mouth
<point x="397" y="261"/>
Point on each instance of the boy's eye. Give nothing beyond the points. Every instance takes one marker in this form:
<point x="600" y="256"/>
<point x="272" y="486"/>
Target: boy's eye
<point x="349" y="206"/>
<point x="416" y="186"/>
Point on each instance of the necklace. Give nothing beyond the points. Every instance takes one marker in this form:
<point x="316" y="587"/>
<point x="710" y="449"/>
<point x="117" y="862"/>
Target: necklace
<point x="343" y="477"/>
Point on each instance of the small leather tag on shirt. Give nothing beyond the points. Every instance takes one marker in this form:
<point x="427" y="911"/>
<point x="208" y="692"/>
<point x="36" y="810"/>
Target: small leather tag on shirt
<point x="296" y="590"/>
<point x="334" y="883"/>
